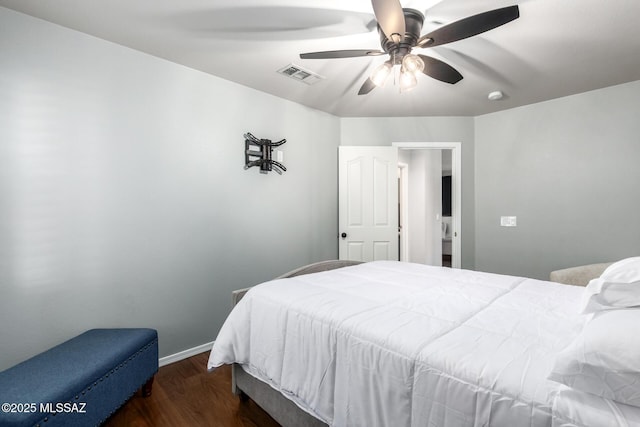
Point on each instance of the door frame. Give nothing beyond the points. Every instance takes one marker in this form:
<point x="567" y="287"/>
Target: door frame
<point x="403" y="199"/>
<point x="456" y="187"/>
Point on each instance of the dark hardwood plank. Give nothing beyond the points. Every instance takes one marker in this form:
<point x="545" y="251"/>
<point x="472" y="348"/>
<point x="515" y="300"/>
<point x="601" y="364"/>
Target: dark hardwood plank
<point x="185" y="394"/>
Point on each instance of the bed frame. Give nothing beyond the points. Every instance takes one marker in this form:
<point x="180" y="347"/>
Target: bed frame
<point x="281" y="409"/>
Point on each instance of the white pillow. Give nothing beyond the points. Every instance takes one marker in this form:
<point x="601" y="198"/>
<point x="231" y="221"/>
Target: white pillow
<point x="617" y="287"/>
<point x="605" y="358"/>
<point x="624" y="271"/>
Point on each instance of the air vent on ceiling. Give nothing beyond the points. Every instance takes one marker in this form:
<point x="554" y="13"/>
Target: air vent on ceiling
<point x="296" y="72"/>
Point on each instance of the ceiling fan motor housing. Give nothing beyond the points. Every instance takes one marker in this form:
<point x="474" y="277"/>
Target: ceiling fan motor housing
<point x="413" y="23"/>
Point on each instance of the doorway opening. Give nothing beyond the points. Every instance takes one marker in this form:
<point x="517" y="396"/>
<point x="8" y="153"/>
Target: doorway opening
<point x="429" y="203"/>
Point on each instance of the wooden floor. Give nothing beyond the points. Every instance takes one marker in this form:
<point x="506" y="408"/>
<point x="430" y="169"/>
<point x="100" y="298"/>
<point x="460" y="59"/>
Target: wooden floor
<point x="185" y="394"/>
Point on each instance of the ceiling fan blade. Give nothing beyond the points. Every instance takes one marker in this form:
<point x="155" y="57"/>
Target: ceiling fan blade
<point x="367" y="87"/>
<point x="341" y="54"/>
<point x="390" y="18"/>
<point x="469" y="27"/>
<point x="440" y="70"/>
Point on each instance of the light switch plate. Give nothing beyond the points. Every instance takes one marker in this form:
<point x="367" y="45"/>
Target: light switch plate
<point x="508" y="221"/>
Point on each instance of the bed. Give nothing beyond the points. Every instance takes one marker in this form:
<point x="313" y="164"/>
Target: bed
<point x="397" y="344"/>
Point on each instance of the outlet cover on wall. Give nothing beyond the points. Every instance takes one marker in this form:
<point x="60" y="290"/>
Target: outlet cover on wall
<point x="508" y="221"/>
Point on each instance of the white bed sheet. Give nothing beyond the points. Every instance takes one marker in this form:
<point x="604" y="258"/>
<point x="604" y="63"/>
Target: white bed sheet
<point x="398" y="344"/>
<point x="574" y="408"/>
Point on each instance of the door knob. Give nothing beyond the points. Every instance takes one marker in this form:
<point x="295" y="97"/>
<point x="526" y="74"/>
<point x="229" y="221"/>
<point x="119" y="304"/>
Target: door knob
<point x="344" y="235"/>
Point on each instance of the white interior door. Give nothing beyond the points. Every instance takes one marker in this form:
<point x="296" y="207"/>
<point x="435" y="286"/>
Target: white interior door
<point x="368" y="203"/>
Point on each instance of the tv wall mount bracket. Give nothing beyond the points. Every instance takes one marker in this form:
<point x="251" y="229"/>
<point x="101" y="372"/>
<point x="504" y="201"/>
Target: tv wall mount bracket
<point x="263" y="156"/>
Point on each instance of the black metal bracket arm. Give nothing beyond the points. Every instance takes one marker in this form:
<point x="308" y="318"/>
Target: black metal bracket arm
<point x="262" y="157"/>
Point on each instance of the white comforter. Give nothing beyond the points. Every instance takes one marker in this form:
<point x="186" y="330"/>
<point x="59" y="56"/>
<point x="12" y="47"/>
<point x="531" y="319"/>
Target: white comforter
<point x="398" y="344"/>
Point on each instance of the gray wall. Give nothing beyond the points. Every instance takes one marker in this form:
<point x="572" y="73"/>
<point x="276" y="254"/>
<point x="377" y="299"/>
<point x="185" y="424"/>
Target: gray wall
<point x="386" y="130"/>
<point x="568" y="169"/>
<point x="123" y="199"/>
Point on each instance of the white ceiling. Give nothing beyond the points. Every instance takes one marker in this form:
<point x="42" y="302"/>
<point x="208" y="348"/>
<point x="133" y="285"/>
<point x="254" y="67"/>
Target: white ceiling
<point x="556" y="47"/>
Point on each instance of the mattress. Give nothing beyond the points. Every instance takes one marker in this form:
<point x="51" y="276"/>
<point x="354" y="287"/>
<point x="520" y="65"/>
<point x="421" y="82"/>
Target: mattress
<point x="390" y="343"/>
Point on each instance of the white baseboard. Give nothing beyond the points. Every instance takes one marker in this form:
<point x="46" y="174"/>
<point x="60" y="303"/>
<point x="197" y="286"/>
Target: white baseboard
<point x="172" y="358"/>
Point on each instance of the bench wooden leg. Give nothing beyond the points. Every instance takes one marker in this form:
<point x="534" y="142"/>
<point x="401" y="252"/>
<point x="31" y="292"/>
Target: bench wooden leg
<point x="146" y="388"/>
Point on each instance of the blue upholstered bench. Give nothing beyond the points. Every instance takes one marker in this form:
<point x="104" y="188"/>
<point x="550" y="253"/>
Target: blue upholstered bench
<point x="80" y="382"/>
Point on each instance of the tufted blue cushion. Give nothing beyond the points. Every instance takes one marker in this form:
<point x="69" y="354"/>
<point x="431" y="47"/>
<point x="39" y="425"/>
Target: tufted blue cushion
<point x="101" y="368"/>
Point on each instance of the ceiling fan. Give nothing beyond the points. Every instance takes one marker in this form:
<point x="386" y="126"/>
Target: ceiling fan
<point x="399" y="31"/>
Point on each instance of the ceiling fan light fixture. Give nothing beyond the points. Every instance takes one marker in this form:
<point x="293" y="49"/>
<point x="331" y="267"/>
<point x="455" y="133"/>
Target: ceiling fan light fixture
<point x="380" y="74"/>
<point x="408" y="81"/>
<point x="412" y="63"/>
<point x="399" y="30"/>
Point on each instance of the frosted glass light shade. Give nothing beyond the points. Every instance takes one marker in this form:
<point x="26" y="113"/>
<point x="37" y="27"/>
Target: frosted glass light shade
<point x="412" y="63"/>
<point x="407" y="81"/>
<point x="380" y="74"/>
